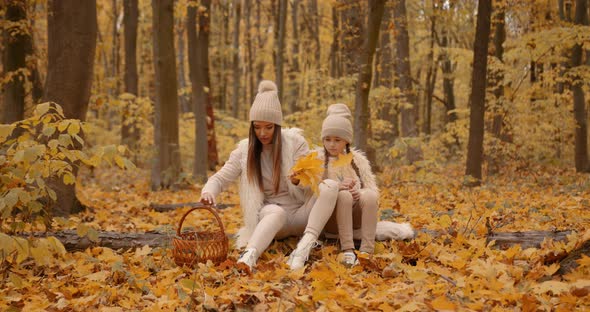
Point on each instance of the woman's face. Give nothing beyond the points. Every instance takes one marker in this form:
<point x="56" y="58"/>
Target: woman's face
<point x="334" y="145"/>
<point x="264" y="131"/>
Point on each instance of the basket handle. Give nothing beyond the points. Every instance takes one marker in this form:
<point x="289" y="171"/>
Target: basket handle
<point x="205" y="207"/>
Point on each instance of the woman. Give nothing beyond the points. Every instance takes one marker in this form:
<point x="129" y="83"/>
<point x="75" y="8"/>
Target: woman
<point x="273" y="206"/>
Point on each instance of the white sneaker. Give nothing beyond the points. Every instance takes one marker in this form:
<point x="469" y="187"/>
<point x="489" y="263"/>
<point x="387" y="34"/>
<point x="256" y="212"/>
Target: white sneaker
<point x="349" y="259"/>
<point x="300" y="255"/>
<point x="249" y="257"/>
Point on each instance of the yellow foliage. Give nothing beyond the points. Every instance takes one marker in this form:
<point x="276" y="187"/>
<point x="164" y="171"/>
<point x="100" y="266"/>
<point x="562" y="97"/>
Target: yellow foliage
<point x="343" y="160"/>
<point x="309" y="171"/>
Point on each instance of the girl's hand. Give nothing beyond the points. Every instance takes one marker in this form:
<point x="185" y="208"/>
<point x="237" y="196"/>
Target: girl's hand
<point x="207" y="199"/>
<point x="347" y="184"/>
<point x="355" y="194"/>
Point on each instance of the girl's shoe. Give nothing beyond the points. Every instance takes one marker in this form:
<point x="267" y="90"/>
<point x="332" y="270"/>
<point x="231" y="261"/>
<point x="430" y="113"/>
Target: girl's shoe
<point x="349" y="259"/>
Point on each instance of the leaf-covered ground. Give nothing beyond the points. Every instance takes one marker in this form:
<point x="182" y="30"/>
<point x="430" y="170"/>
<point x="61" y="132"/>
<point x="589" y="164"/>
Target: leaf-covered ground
<point x="449" y="266"/>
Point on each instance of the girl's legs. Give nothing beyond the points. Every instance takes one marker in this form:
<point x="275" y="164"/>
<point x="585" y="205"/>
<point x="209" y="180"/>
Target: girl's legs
<point x="368" y="207"/>
<point x="344" y="219"/>
<point x="272" y="220"/>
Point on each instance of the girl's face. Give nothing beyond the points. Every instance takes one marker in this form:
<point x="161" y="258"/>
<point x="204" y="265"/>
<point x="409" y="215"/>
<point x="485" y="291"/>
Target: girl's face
<point x="264" y="131"/>
<point x="334" y="145"/>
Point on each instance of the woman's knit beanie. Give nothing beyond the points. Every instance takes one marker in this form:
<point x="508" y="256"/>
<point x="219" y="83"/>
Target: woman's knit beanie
<point x="266" y="106"/>
<point x="337" y="123"/>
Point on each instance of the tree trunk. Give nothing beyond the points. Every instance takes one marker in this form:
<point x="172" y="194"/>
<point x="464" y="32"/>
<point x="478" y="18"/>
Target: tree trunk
<point x="335" y="47"/>
<point x="389" y="112"/>
<point x="404" y="80"/>
<point x="499" y="38"/>
<point x="448" y="79"/>
<point x="115" y="51"/>
<point x="478" y="93"/>
<point x="17" y="44"/>
<point x="71" y="33"/>
<point x="184" y="102"/>
<point x="199" y="105"/>
<point x="251" y="85"/>
<point x="294" y="72"/>
<point x="351" y="35"/>
<point x="385" y="64"/>
<point x="261" y="42"/>
<point x="167" y="163"/>
<point x="363" y="86"/>
<point x="314" y="13"/>
<point x="129" y="132"/>
<point x="281" y="46"/>
<point x="204" y="79"/>
<point x="430" y="81"/>
<point x="580" y="115"/>
<point x="532" y="239"/>
<point x="236" y="59"/>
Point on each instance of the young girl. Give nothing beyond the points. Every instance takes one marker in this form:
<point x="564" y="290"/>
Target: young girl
<point x="273" y="206"/>
<point x="358" y="194"/>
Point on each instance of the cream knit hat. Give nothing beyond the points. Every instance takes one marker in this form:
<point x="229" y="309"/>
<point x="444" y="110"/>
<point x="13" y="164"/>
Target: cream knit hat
<point x="337" y="123"/>
<point x="266" y="106"/>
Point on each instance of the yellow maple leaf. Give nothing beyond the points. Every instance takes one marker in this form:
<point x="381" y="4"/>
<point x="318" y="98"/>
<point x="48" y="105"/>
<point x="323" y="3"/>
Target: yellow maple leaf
<point x="309" y="171"/>
<point x="443" y="304"/>
<point x="584" y="261"/>
<point x="343" y="160"/>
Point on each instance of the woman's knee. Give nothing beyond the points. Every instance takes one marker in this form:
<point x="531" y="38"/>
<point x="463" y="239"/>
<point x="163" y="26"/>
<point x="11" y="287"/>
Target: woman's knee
<point x="329" y="185"/>
<point x="276" y="211"/>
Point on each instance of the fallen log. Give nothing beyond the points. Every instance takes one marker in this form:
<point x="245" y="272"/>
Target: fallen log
<point x="532" y="239"/>
<point x="114" y="240"/>
<point x="170" y="207"/>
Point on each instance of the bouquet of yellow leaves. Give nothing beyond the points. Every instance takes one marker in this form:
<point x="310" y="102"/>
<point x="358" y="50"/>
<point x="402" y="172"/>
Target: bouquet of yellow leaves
<point x="309" y="171"/>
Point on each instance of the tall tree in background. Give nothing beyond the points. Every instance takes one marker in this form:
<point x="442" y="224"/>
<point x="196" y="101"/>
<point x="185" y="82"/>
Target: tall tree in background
<point x="204" y="79"/>
<point x="499" y="38"/>
<point x="335" y="59"/>
<point x="447" y="65"/>
<point x="478" y="92"/>
<point x="72" y="32"/>
<point x="129" y="132"/>
<point x="363" y="86"/>
<point x="115" y="52"/>
<point x="17" y="44"/>
<point x="183" y="99"/>
<point x="351" y="25"/>
<point x="281" y="46"/>
<point x="389" y="111"/>
<point x="431" y="71"/>
<point x="249" y="51"/>
<point x="409" y="129"/>
<point x="167" y="162"/>
<point x="199" y="104"/>
<point x="580" y="115"/>
<point x="294" y="70"/>
<point x="236" y="59"/>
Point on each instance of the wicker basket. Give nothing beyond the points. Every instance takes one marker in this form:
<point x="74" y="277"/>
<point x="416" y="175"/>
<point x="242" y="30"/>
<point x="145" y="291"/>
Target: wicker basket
<point x="193" y="247"/>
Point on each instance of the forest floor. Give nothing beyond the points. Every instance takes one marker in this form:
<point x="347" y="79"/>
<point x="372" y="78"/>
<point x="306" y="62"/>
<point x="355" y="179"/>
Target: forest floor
<point x="448" y="266"/>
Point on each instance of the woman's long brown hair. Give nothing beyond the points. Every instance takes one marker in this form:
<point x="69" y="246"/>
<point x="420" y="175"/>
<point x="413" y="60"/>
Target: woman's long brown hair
<point x="254" y="170"/>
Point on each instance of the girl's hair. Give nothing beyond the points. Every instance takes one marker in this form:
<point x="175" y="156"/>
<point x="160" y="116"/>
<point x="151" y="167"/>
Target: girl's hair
<point x="254" y="170"/>
<point x="354" y="166"/>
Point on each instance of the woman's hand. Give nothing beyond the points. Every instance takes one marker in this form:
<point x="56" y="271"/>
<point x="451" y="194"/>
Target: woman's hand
<point x="207" y="199"/>
<point x="294" y="180"/>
